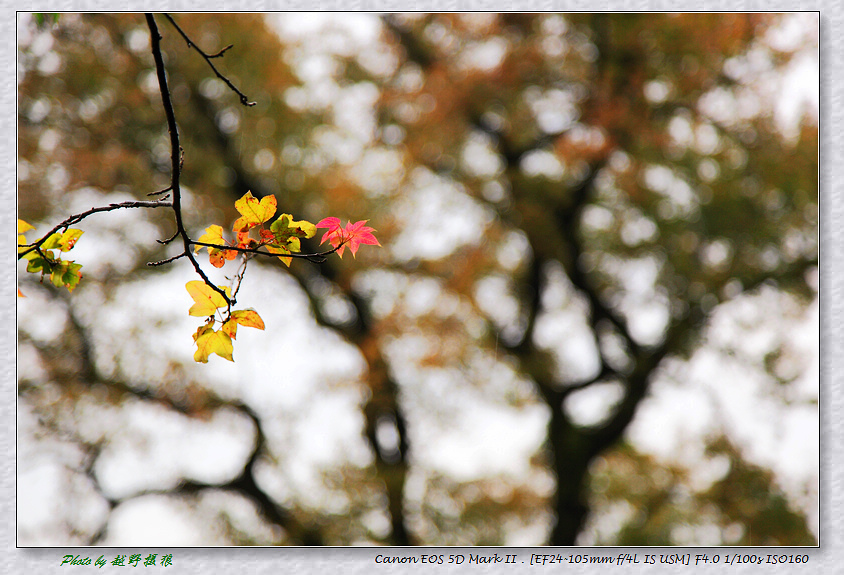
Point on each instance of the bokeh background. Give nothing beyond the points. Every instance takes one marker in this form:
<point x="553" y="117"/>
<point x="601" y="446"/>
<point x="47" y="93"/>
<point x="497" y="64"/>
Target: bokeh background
<point x="593" y="320"/>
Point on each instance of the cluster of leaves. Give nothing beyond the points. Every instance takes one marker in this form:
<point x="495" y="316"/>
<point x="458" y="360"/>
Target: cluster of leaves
<point x="207" y="302"/>
<point x="43" y="257"/>
<point x="282" y="239"/>
<point x="283" y="236"/>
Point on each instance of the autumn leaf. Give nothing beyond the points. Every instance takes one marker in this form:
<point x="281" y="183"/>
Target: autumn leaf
<point x="69" y="239"/>
<point x="276" y="249"/>
<point x="245" y="317"/>
<point x="67" y="274"/>
<point x="357" y="234"/>
<point x="20" y="293"/>
<point x="52" y="242"/>
<point x="204" y="328"/>
<point x="210" y="341"/>
<point x="253" y="212"/>
<point x="352" y="235"/>
<point x="207" y="301"/>
<point x="217" y="256"/>
<point x="230" y="328"/>
<point x="22" y="228"/>
<point x="334" y="233"/>
<point x="248" y="318"/>
<point x="212" y="235"/>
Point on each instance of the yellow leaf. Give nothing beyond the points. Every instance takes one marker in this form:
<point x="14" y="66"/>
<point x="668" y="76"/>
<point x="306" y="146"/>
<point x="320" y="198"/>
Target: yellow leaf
<point x="213" y="342"/>
<point x="248" y="318"/>
<point x="212" y="235"/>
<point x="230" y="327"/>
<point x="207" y="301"/>
<point x="253" y="212"/>
<point x="204" y="328"/>
<point x="280" y="250"/>
<point x="52" y="242"/>
<point x="24" y="227"/>
<point x="69" y="239"/>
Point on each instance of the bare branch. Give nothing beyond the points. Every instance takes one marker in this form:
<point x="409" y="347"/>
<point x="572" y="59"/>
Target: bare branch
<point x="170" y="239"/>
<point x="75" y="219"/>
<point x="243" y="99"/>
<point x="167" y="261"/>
<point x="158" y="193"/>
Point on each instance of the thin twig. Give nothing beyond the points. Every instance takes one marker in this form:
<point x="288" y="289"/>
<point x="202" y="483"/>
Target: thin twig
<point x="310" y="257"/>
<point x="75" y="219"/>
<point x="238" y="276"/>
<point x="170" y="239"/>
<point x="158" y="193"/>
<point x="167" y="261"/>
<point x="243" y="99"/>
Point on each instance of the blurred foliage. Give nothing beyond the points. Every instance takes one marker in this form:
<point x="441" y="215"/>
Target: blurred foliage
<point x="531" y="176"/>
<point x="663" y="507"/>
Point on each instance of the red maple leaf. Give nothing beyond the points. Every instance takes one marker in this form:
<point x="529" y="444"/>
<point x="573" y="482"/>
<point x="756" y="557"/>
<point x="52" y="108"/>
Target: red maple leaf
<point x="353" y="235"/>
<point x="334" y="232"/>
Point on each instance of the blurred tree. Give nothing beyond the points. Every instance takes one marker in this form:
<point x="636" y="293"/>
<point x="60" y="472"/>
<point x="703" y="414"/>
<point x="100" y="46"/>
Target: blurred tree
<point x="565" y="201"/>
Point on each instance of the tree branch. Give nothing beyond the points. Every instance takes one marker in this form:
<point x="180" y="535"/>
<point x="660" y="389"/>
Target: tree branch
<point x="75" y="219"/>
<point x="175" y="153"/>
<point x="243" y="99"/>
<point x="316" y="258"/>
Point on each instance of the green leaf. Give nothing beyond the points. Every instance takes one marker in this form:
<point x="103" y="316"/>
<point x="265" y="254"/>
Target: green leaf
<point x="285" y="228"/>
<point x="37" y="263"/>
<point x="286" y="233"/>
<point x="66" y="273"/>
